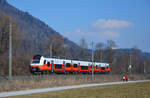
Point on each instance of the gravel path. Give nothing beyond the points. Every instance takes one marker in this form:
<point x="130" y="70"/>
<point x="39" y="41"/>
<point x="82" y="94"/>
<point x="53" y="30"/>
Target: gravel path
<point x="24" y="92"/>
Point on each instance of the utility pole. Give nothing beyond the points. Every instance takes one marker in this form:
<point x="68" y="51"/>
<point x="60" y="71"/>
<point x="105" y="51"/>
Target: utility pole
<point x="130" y="59"/>
<point x="10" y="51"/>
<point x="144" y="68"/>
<point x="101" y="56"/>
<point x="92" y="59"/>
<point x="130" y="66"/>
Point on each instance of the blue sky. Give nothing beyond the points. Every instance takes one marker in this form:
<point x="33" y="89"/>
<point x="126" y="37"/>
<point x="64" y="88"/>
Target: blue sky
<point x="127" y="22"/>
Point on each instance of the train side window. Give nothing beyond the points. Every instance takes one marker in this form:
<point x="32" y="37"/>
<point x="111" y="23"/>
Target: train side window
<point x="44" y="61"/>
<point x="48" y="64"/>
<point x="68" y="64"/>
<point x="102" y="68"/>
<point x="84" y="67"/>
<point x="96" y="66"/>
<point x="75" y="65"/>
<point x="52" y="62"/>
<point x="58" y="66"/>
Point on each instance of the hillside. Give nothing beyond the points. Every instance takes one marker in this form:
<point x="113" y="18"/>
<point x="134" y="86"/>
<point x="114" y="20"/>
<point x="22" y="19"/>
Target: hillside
<point x="32" y="36"/>
<point x="32" y="27"/>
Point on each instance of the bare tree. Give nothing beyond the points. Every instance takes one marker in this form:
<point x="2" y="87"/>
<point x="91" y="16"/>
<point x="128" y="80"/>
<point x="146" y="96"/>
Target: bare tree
<point x="83" y="50"/>
<point x="66" y="53"/>
<point x="54" y="45"/>
<point x="111" y="44"/>
<point x="4" y="33"/>
<point x="136" y="60"/>
<point x="109" y="51"/>
<point x="17" y="38"/>
<point x="99" y="52"/>
<point x="83" y="43"/>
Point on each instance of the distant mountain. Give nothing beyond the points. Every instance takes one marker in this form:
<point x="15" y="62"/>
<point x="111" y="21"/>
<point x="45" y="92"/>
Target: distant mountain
<point x="32" y="27"/>
<point x="147" y="54"/>
<point x="127" y="50"/>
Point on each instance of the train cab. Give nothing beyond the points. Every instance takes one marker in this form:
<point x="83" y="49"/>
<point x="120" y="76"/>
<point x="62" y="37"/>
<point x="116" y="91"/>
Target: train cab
<point x="36" y="62"/>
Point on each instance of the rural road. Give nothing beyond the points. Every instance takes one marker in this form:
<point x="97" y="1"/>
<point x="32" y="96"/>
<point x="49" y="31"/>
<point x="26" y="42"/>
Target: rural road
<point x="24" y="92"/>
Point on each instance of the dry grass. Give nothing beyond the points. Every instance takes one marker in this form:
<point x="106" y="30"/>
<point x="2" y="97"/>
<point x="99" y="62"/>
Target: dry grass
<point x="33" y="82"/>
<point x="136" y="90"/>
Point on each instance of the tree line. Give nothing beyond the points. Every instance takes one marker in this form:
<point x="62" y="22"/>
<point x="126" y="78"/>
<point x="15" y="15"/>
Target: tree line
<point x="54" y="45"/>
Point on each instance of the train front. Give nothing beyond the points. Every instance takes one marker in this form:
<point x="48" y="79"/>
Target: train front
<point x="35" y="64"/>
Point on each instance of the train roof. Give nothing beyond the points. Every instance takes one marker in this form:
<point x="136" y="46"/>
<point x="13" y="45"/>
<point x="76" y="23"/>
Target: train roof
<point x="61" y="60"/>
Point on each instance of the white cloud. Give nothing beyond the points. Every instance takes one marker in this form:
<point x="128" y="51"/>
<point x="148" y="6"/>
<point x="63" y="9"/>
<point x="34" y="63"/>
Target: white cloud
<point x="110" y="28"/>
<point x="100" y="30"/>
<point x="111" y="24"/>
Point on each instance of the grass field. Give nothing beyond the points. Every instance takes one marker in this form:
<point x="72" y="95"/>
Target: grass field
<point x="45" y="81"/>
<point x="136" y="90"/>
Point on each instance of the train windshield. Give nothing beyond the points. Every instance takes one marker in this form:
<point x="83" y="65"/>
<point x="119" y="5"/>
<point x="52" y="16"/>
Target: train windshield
<point x="36" y="59"/>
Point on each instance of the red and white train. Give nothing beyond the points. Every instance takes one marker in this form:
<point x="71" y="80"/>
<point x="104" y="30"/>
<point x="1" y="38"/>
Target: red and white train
<point x="41" y="64"/>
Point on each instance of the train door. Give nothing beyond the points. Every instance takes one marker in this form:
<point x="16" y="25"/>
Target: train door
<point x="79" y="67"/>
<point x="71" y="66"/>
<point x="44" y="62"/>
<point x="52" y="65"/>
<point x="64" y="66"/>
<point x="89" y="67"/>
<point x="48" y="64"/>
